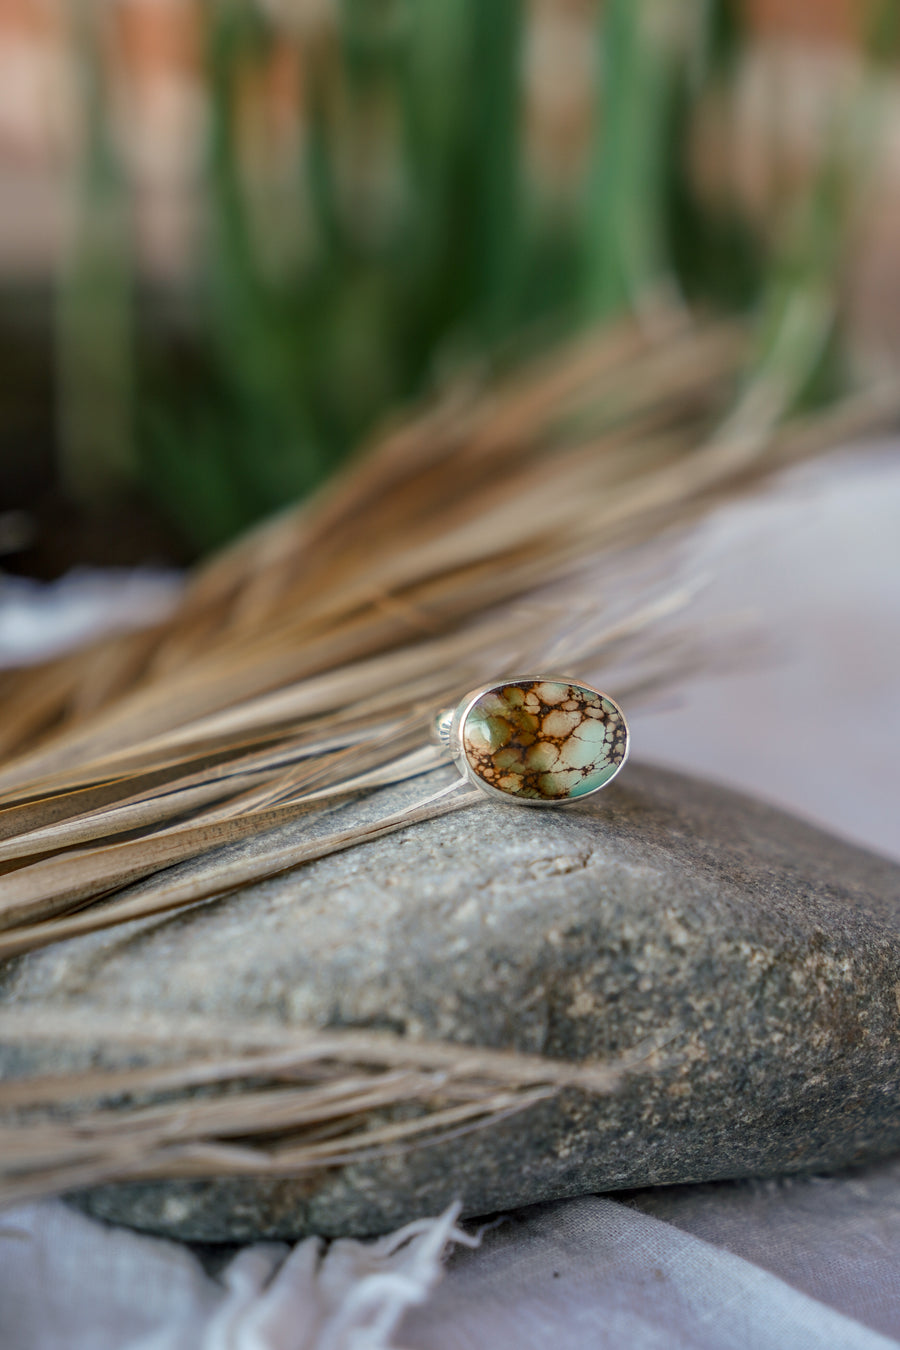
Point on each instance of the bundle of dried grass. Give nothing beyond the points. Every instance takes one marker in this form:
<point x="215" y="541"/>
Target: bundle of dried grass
<point x="482" y="537"/>
<point x="305" y="1100"/>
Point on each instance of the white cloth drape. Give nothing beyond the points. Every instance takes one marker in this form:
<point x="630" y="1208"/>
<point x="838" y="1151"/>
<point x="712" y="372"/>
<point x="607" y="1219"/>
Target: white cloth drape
<point x="814" y="1264"/>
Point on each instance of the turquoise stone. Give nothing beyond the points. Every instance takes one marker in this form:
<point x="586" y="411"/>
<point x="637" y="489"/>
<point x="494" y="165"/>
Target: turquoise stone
<point x="544" y="740"/>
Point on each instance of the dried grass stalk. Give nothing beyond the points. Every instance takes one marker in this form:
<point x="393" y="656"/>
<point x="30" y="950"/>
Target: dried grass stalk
<point x="309" y="1100"/>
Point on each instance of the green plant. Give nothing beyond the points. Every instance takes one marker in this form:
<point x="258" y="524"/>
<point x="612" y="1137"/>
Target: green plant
<point x="405" y="234"/>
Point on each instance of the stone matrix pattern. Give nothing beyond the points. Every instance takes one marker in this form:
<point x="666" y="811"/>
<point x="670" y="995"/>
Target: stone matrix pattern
<point x="545" y="740"/>
<point x="764" y="953"/>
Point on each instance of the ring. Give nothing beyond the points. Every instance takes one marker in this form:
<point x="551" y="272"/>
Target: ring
<point x="543" y="740"/>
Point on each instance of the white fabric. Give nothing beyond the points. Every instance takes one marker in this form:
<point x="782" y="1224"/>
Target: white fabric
<point x="592" y="1272"/>
<point x="836" y="1238"/>
<point x="595" y="1273"/>
<point x="810" y="569"/>
<point x="68" y="1283"/>
<point x="786" y="1265"/>
<point x="39" y="621"/>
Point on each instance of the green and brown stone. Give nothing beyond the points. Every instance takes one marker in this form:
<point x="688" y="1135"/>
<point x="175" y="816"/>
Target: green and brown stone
<point x="544" y="740"/>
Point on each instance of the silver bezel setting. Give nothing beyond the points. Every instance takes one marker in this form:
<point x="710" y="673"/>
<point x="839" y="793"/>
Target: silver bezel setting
<point x="449" y="733"/>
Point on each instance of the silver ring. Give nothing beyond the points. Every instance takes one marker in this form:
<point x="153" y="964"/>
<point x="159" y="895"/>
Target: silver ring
<point x="538" y="740"/>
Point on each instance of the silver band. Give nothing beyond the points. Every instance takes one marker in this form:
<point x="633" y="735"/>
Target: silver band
<point x="440" y="730"/>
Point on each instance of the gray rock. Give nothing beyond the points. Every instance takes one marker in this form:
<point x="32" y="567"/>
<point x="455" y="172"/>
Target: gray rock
<point x="571" y="933"/>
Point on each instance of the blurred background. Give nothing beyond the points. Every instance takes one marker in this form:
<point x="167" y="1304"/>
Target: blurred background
<point x="236" y="235"/>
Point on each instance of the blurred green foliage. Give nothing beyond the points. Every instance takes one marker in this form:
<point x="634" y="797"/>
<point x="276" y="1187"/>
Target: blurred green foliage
<point x="408" y="233"/>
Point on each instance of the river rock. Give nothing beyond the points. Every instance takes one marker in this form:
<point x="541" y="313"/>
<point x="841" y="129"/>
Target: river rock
<point x="773" y="948"/>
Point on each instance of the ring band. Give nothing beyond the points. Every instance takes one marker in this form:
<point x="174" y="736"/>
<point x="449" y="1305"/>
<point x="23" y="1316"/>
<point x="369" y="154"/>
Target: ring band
<point x="540" y="740"/>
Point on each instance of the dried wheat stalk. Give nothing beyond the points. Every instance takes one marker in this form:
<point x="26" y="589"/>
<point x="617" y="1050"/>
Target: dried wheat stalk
<point x="483" y="537"/>
<point x="307" y="1100"/>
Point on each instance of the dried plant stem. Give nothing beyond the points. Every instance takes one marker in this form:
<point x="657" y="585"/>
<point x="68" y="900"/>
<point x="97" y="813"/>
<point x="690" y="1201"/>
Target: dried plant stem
<point x="111" y="870"/>
<point x="321" y="1088"/>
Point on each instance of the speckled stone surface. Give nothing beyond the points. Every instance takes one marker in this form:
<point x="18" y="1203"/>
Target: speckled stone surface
<point x="663" y="900"/>
<point x="543" y="740"/>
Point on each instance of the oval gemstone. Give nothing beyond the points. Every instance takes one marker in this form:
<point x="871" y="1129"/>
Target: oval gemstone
<point x="544" y="740"/>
